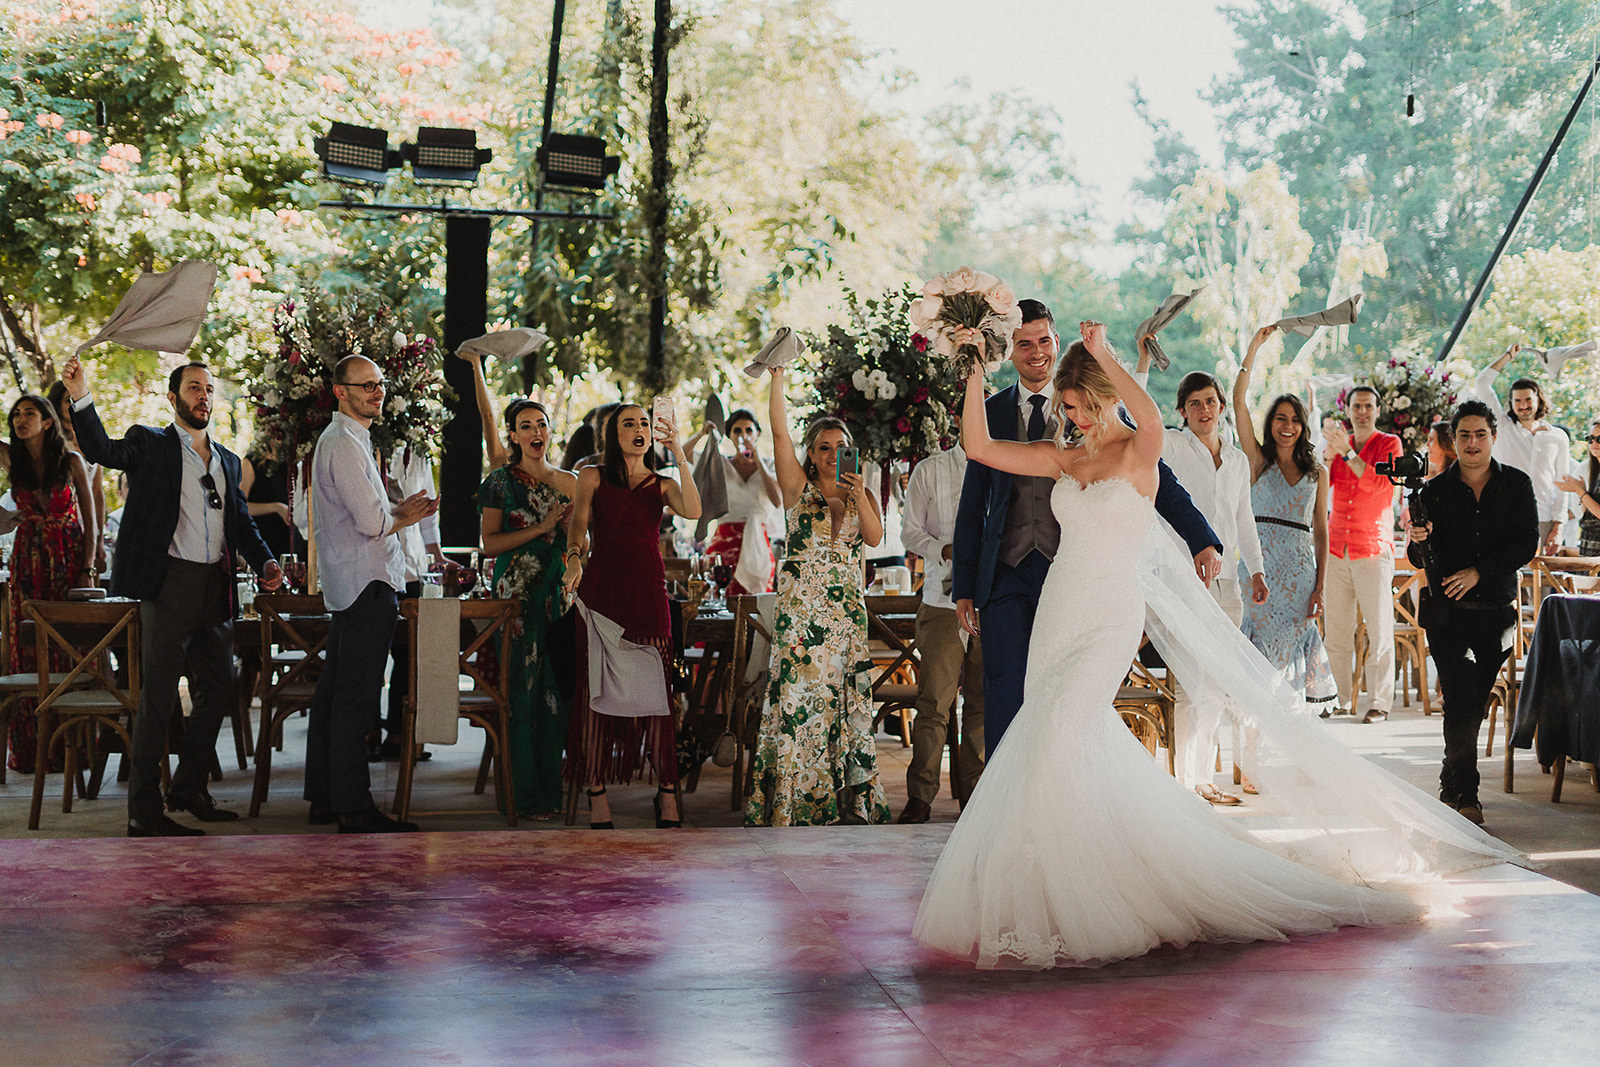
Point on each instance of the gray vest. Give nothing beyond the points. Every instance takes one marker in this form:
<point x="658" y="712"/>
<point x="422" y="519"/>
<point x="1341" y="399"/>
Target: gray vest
<point x="1030" y="524"/>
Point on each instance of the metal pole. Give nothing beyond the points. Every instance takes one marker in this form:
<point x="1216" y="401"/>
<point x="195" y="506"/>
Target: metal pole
<point x="1516" y="216"/>
<point x="466" y="311"/>
<point x="655" y="367"/>
<point x="552" y="75"/>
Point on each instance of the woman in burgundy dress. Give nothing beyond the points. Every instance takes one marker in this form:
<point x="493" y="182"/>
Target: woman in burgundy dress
<point x="55" y="546"/>
<point x="613" y="561"/>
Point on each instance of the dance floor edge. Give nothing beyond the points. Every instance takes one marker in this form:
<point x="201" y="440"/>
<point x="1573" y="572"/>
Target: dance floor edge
<point x="709" y="947"/>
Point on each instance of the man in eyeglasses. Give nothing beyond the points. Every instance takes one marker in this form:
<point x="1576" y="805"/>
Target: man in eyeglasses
<point x="183" y="522"/>
<point x="363" y="570"/>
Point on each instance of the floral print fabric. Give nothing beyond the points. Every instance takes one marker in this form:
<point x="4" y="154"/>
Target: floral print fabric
<point x="816" y="761"/>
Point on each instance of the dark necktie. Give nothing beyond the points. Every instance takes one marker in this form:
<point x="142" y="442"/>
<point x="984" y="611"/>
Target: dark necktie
<point x="1036" y="420"/>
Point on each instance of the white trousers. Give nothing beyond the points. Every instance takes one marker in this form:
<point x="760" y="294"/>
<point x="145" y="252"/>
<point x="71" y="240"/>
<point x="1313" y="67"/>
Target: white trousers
<point x="1196" y="733"/>
<point x="1366" y="583"/>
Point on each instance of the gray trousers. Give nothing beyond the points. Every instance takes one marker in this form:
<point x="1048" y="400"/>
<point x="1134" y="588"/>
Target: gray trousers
<point x="946" y="667"/>
<point x="191" y="622"/>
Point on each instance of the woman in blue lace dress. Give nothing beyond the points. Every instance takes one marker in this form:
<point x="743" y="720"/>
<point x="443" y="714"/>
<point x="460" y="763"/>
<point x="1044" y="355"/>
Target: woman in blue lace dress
<point x="1289" y="494"/>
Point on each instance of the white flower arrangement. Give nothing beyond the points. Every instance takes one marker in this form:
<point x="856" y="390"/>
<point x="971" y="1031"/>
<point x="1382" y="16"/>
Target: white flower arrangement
<point x="961" y="301"/>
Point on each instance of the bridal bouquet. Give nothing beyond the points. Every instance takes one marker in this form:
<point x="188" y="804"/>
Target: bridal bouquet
<point x="965" y="299"/>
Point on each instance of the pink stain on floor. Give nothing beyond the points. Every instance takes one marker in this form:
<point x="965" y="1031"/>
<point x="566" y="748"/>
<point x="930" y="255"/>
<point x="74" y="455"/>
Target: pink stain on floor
<point x="708" y="947"/>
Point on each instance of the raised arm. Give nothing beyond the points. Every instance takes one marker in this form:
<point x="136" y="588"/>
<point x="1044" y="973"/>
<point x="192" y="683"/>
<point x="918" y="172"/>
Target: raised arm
<point x="91" y="543"/>
<point x="578" y="527"/>
<point x="791" y="475"/>
<point x="1038" y="459"/>
<point x="494" y="447"/>
<point x="1249" y="444"/>
<point x="1150" y="434"/>
<point x="682" y="497"/>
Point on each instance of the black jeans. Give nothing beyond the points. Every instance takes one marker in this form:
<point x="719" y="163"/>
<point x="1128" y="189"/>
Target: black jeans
<point x="1468" y="647"/>
<point x="346" y="703"/>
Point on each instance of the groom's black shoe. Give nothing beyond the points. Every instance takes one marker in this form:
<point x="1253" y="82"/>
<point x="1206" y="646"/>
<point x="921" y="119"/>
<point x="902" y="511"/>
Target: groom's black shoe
<point x="201" y="806"/>
<point x="159" y="825"/>
<point x="917" y="811"/>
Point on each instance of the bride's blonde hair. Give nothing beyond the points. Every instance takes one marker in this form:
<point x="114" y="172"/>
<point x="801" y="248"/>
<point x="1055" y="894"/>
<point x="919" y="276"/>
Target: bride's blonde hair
<point x="1097" y="396"/>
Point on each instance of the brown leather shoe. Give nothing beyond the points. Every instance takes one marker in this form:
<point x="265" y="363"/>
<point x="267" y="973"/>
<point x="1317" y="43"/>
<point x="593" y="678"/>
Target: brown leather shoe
<point x="917" y="811"/>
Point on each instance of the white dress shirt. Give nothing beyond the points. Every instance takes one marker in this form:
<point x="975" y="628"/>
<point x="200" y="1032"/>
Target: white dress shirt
<point x="412" y="478"/>
<point x="1221" y="493"/>
<point x="355" y="531"/>
<point x="1542" y="456"/>
<point x="932" y="497"/>
<point x="198" y="537"/>
<point x="1025" y="408"/>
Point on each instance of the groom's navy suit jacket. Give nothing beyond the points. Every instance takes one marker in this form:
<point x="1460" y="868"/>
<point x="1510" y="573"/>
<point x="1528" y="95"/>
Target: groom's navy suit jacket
<point x="154" y="461"/>
<point x="986" y="500"/>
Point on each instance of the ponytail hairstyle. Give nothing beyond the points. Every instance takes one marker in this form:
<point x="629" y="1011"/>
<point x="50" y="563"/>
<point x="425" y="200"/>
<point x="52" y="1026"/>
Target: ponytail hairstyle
<point x="513" y="409"/>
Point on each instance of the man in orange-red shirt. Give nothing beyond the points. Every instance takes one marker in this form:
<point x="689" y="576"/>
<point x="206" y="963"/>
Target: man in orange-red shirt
<point x="1360" y="553"/>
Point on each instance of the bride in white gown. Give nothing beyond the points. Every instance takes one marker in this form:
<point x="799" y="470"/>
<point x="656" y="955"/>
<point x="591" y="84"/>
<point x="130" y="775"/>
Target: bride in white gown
<point x="1077" y="848"/>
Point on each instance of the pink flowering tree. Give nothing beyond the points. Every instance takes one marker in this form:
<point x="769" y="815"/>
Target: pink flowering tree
<point x="211" y="107"/>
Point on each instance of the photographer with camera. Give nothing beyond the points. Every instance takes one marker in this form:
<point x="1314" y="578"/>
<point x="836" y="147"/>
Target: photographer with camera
<point x="1479" y="523"/>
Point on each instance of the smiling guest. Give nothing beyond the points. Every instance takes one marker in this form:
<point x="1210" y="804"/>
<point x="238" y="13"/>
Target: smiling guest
<point x="525" y="506"/>
<point x="1361" y="552"/>
<point x="184" y="521"/>
<point x="1483" y="527"/>
<point x="613" y="564"/>
<point x="1527" y="441"/>
<point x="1289" y="496"/>
<point x="815" y="760"/>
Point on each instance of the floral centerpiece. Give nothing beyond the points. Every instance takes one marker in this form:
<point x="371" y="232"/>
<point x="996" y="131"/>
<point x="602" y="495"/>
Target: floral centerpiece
<point x="1413" y="394"/>
<point x="293" y="389"/>
<point x="875" y="375"/>
<point x="965" y="299"/>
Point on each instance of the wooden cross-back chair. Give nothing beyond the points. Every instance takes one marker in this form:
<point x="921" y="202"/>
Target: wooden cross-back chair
<point x="88" y="694"/>
<point x="486" y="702"/>
<point x="294" y="633"/>
<point x="1147" y="703"/>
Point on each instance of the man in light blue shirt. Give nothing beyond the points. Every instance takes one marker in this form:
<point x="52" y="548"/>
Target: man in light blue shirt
<point x="362" y="568"/>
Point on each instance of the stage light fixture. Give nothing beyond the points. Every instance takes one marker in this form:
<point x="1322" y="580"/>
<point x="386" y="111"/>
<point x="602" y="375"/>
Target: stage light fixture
<point x="443" y="156"/>
<point x="356" y="154"/>
<point x="571" y="161"/>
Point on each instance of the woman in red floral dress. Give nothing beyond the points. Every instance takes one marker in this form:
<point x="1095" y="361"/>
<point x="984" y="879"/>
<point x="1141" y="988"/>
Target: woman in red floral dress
<point x="52" y="553"/>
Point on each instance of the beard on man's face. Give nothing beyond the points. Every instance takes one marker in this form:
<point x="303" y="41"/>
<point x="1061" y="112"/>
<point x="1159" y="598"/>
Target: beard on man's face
<point x="188" y="415"/>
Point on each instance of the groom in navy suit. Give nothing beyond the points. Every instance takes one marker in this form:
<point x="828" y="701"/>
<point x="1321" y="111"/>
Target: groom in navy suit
<point x="1006" y="534"/>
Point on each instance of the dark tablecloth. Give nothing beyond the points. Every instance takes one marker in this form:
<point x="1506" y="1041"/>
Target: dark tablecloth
<point x="1560" y="695"/>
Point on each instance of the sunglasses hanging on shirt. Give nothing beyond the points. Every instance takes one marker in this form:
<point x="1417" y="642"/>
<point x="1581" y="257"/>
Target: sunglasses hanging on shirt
<point x="213" y="497"/>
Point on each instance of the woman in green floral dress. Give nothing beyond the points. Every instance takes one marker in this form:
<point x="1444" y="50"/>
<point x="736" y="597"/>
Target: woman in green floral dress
<point x="816" y="761"/>
<point x="525" y="506"/>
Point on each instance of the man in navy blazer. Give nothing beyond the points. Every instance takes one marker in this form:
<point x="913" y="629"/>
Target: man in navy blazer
<point x="1006" y="535"/>
<point x="183" y="522"/>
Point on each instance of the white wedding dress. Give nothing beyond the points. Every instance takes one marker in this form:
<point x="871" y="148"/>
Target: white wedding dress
<point x="1077" y="848"/>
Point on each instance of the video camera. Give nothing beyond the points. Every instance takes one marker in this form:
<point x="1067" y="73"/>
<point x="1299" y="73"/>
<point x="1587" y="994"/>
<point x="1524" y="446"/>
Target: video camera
<point x="1411" y="471"/>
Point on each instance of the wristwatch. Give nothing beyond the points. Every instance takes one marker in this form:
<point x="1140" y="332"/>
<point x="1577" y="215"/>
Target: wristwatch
<point x="1350" y="455"/>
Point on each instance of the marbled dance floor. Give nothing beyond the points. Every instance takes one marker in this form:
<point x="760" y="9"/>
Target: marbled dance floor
<point x="709" y="947"/>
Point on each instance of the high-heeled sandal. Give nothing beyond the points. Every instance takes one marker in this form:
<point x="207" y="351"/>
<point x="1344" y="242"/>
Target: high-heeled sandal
<point x="665" y="824"/>
<point x="608" y="824"/>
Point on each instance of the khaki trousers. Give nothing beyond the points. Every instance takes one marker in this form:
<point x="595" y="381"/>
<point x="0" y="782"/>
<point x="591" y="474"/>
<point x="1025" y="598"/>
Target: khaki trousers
<point x="1366" y="583"/>
<point x="946" y="668"/>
